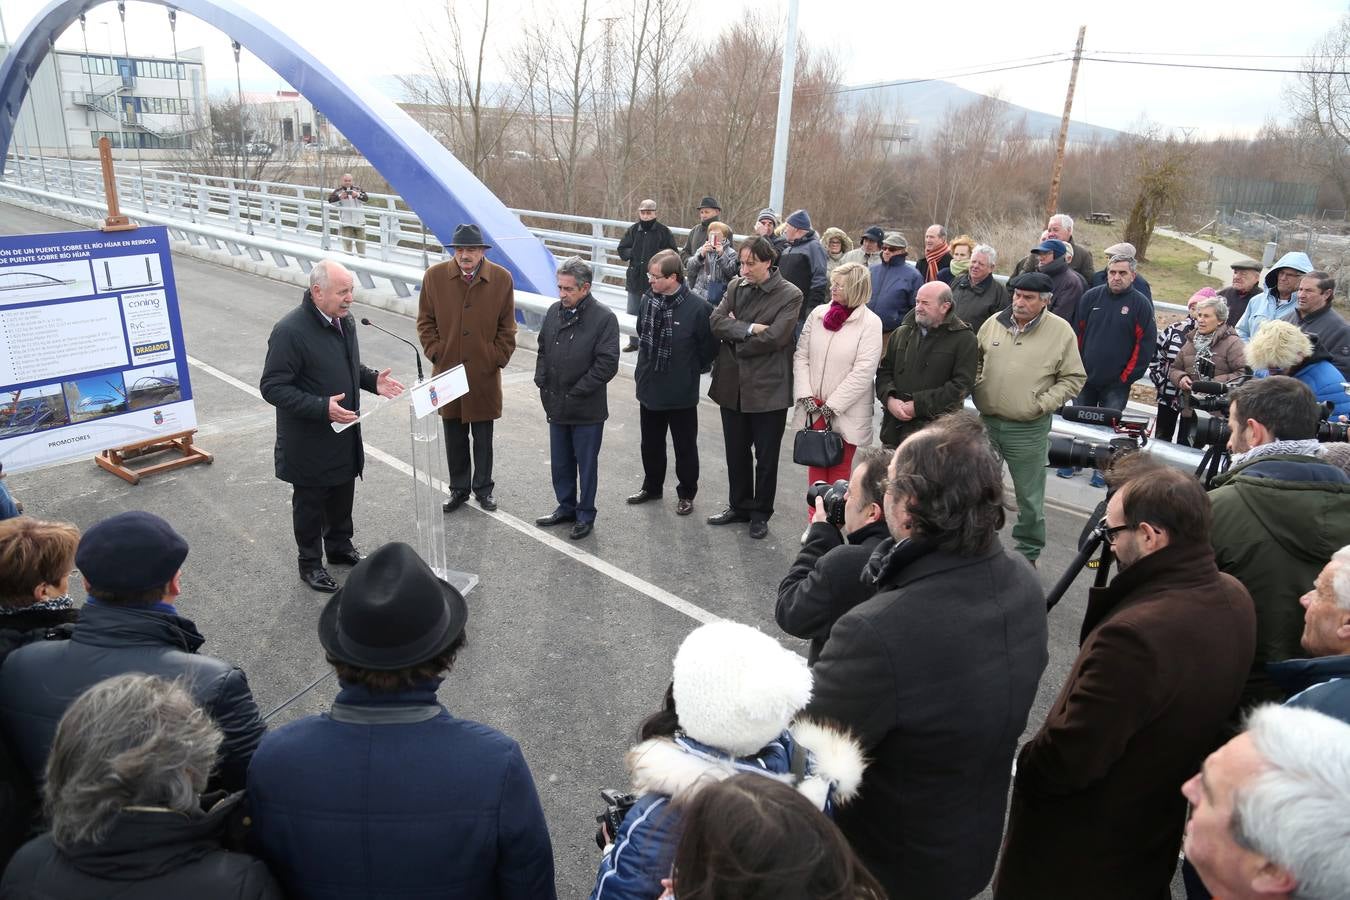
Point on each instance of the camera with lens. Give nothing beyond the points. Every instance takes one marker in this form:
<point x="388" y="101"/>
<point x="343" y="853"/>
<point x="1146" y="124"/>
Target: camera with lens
<point x="833" y="497"/>
<point x="1329" y="432"/>
<point x="1069" y="451"/>
<point x="617" y="805"/>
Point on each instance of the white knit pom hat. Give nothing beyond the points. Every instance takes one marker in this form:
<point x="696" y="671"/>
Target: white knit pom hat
<point x="736" y="688"/>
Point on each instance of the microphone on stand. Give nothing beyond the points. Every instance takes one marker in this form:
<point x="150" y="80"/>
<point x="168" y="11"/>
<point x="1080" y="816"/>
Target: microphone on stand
<point x="417" y="354"/>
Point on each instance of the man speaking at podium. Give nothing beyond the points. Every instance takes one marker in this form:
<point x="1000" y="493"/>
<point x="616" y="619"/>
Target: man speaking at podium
<point x="313" y="376"/>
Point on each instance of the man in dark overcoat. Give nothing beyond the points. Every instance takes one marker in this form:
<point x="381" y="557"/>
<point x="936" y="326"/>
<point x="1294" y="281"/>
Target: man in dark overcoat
<point x="644" y="239"/>
<point x="1097" y="809"/>
<point x="752" y="381"/>
<point x="677" y="346"/>
<point x="313" y="376"/>
<point x="386" y="793"/>
<point x="578" y="357"/>
<point x="936" y="673"/>
<point x="466" y="313"/>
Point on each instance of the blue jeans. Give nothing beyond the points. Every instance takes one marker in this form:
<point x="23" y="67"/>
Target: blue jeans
<point x="574" y="454"/>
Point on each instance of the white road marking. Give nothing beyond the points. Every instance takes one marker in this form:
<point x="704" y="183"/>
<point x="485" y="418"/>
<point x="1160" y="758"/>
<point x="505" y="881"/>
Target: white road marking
<point x="609" y="570"/>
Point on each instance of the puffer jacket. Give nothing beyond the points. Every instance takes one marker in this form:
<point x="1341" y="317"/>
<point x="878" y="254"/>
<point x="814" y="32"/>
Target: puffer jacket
<point x="39" y="681"/>
<point x="1325" y="381"/>
<point x="753" y="373"/>
<point x="1267" y="305"/>
<point x="148" y="855"/>
<point x="837" y="367"/>
<point x="1278" y="518"/>
<point x="1170" y="341"/>
<point x="894" y="287"/>
<point x="668" y="771"/>
<point x="818" y="291"/>
<point x="936" y="371"/>
<point x="1226" y="351"/>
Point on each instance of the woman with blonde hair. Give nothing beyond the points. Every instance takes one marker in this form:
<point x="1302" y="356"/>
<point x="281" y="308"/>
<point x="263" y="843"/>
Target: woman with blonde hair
<point x="1279" y="348"/>
<point x="710" y="269"/>
<point x="834" y="365"/>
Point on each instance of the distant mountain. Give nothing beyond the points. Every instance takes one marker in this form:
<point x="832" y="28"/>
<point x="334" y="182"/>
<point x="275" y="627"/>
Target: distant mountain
<point x="929" y="102"/>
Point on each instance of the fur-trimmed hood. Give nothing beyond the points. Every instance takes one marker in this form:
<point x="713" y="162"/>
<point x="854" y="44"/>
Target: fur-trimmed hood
<point x="678" y="767"/>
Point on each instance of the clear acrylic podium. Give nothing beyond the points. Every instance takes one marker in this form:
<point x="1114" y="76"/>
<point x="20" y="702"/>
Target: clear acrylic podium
<point x="430" y="485"/>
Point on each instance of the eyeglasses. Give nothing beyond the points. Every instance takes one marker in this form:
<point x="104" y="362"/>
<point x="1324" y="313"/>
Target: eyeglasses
<point x="1109" y="533"/>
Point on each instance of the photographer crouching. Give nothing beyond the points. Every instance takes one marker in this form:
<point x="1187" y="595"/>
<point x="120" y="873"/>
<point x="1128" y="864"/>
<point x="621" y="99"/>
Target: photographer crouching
<point x="825" y="580"/>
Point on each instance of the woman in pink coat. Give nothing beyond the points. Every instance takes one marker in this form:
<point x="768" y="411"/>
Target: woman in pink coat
<point x="834" y="365"/>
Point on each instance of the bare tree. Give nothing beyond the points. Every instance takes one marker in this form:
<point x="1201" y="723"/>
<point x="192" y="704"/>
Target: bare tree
<point x="1163" y="182"/>
<point x="473" y="118"/>
<point x="1320" y="99"/>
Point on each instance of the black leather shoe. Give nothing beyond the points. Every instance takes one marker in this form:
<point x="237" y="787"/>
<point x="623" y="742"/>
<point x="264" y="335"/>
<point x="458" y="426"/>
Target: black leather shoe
<point x="320" y="580"/>
<point x="555" y="518"/>
<point x="684" y="507"/>
<point x="455" y="502"/>
<point x="488" y="502"/>
<point x="345" y="557"/>
<point x="759" y="530"/>
<point x="727" y="516"/>
<point x="642" y="496"/>
<point x="631" y="345"/>
<point x="580" y="530"/>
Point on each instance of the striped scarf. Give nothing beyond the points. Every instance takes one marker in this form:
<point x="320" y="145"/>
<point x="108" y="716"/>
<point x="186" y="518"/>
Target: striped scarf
<point x="934" y="256"/>
<point x="657" y="340"/>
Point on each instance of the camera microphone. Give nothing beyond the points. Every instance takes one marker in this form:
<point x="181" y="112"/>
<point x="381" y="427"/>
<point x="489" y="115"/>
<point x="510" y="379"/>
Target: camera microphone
<point x="1090" y="415"/>
<point x="1208" y="387"/>
<point x="417" y="354"/>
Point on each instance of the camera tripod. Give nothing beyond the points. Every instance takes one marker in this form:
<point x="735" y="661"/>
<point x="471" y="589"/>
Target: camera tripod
<point x="1092" y="538"/>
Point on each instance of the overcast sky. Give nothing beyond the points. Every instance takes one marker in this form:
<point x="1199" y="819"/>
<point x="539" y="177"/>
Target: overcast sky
<point x="368" y="39"/>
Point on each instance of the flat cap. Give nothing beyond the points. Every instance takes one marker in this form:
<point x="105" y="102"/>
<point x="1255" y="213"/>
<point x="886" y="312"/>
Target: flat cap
<point x="1246" y="263"/>
<point x="895" y="240"/>
<point x="1032" y="281"/>
<point x="132" y="551"/>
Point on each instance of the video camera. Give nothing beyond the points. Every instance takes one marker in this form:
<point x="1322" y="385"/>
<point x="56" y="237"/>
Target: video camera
<point x="833" y="497"/>
<point x="1069" y="451"/>
<point x="617" y="805"/>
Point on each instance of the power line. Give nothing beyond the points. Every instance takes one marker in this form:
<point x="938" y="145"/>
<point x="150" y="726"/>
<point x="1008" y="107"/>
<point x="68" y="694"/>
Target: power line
<point x="1173" y="65"/>
<point x="1058" y="58"/>
<point x="1201" y="55"/>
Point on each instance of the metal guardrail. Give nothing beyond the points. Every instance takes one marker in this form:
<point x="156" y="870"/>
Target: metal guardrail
<point x="212" y="213"/>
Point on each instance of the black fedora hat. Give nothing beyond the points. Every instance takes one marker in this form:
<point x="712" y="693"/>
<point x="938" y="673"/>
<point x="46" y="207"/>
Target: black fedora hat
<point x="468" y="236"/>
<point x="392" y="613"/>
<point x="709" y="203"/>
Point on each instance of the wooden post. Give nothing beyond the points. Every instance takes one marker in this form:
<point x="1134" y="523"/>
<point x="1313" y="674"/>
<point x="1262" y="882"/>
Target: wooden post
<point x="1052" y="204"/>
<point x="114" y="221"/>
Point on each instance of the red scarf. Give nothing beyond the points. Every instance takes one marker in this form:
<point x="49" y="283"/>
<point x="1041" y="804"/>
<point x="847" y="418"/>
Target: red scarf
<point x="835" y="316"/>
<point x="933" y="256"/>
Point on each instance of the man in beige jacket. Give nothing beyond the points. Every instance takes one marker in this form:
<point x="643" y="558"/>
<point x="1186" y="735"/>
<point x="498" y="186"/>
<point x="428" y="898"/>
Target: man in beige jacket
<point x="1029" y="368"/>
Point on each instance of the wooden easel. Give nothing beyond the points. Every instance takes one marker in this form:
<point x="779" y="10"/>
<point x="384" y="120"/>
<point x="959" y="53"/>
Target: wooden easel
<point x="115" y="458"/>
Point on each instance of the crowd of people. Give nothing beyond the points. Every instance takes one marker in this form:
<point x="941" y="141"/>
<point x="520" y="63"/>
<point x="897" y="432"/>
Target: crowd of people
<point x="1206" y="711"/>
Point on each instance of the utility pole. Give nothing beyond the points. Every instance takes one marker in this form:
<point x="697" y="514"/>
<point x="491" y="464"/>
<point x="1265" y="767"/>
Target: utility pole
<point x="778" y="183"/>
<point x="1052" y="204"/>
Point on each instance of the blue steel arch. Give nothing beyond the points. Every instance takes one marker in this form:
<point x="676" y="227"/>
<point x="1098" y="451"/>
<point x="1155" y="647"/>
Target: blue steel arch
<point x="427" y="175"/>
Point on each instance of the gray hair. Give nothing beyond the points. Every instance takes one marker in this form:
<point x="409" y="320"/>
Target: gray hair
<point x="1121" y="257"/>
<point x="1340" y="583"/>
<point x="133" y="740"/>
<point x="1063" y="219"/>
<point x="322" y="272"/>
<point x="577" y="268"/>
<point x="1217" y="304"/>
<point x="989" y="253"/>
<point x="1296" y="812"/>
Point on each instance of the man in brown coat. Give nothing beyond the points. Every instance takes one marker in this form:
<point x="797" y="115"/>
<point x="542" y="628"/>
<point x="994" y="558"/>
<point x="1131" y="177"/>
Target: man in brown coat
<point x="467" y="314"/>
<point x="1096" y="809"/>
<point x="752" y="381"/>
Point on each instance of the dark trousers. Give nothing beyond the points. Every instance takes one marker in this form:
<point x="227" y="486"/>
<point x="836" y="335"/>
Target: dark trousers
<point x="1170" y="424"/>
<point x="752" y="483"/>
<point x="464" y="476"/>
<point x="1112" y="396"/>
<point x="322" y="519"/>
<point x="683" y="427"/>
<point x="574" y="452"/>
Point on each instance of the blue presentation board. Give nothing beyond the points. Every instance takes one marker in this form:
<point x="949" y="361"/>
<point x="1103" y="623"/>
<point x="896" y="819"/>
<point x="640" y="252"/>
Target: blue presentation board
<point x="91" y="345"/>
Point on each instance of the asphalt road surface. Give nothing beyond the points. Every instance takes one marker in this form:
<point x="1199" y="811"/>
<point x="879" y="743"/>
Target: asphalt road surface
<point x="570" y="643"/>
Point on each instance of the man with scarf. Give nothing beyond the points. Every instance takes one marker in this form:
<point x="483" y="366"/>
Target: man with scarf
<point x="675" y="346"/>
<point x="936" y="252"/>
<point x="954" y="609"/>
<point x="1280" y="512"/>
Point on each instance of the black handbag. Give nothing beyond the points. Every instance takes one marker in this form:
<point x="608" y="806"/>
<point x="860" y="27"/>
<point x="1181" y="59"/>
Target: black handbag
<point x="821" y="449"/>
